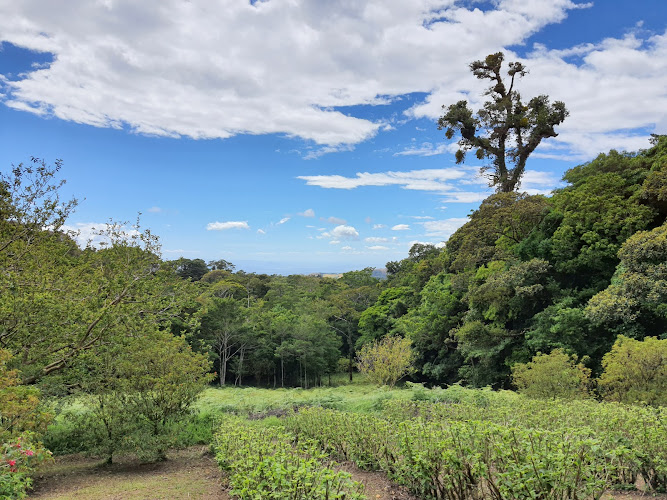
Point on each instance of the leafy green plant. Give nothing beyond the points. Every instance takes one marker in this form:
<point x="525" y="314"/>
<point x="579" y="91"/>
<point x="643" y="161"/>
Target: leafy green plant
<point x="269" y="463"/>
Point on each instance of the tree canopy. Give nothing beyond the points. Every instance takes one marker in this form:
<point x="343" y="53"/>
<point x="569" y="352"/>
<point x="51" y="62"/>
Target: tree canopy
<point x="506" y="129"/>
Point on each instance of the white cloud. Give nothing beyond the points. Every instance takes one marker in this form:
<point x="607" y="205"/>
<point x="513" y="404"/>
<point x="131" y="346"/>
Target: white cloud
<point x="466" y="197"/>
<point x="155" y="210"/>
<point x="443" y="228"/>
<point x="421" y="217"/>
<point x="307" y="213"/>
<point x="95" y="233"/>
<point x="344" y="232"/>
<point x="222" y="226"/>
<point x="334" y="242"/>
<point x="261" y="231"/>
<point x="217" y="69"/>
<point x="401" y="227"/>
<point x="373" y="239"/>
<point x="379" y="226"/>
<point x="428" y="149"/>
<point x="378" y="247"/>
<point x="346" y="248"/>
<point x="437" y="180"/>
<point x="333" y="220"/>
<point x="283" y="220"/>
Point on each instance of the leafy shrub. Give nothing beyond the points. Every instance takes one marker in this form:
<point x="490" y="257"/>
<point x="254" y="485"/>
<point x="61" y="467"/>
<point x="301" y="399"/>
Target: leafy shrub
<point x="449" y="459"/>
<point x="268" y="463"/>
<point x="555" y="375"/>
<point x="635" y="371"/>
<point x="387" y="360"/>
<point x="22" y="420"/>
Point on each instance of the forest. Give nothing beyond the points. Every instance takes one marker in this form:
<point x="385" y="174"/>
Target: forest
<point x="577" y="279"/>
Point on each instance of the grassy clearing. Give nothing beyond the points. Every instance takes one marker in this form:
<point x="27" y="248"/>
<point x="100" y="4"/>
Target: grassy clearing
<point x="358" y="397"/>
<point x="187" y="474"/>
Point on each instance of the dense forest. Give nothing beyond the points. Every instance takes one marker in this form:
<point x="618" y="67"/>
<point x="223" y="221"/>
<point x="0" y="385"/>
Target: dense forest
<point x="526" y="274"/>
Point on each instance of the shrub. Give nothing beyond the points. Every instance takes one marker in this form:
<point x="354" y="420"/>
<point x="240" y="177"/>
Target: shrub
<point x="555" y="375"/>
<point x="635" y="371"/>
<point x="387" y="360"/>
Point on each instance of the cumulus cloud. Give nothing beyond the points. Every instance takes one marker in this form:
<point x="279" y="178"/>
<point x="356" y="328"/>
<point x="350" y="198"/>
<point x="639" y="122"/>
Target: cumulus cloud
<point x="223" y="226"/>
<point x="401" y="227"/>
<point x="346" y="248"/>
<point x="201" y="69"/>
<point x="344" y="232"/>
<point x="283" y="220"/>
<point x="333" y="220"/>
<point x="217" y="69"/>
<point x="436" y="180"/>
<point x="373" y="239"/>
<point x="378" y="247"/>
<point x="95" y="234"/>
<point x="379" y="226"/>
<point x="261" y="231"/>
<point x="443" y="228"/>
<point x="155" y="210"/>
<point x="307" y="213"/>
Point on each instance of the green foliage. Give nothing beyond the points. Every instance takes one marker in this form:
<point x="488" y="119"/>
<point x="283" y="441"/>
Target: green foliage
<point x="22" y="421"/>
<point x="19" y="458"/>
<point x="137" y="394"/>
<point x="386" y="361"/>
<point x="449" y="459"/>
<point x="379" y="319"/>
<point x="635" y="371"/>
<point x="554" y="375"/>
<point x="267" y="462"/>
<point x="636" y="301"/>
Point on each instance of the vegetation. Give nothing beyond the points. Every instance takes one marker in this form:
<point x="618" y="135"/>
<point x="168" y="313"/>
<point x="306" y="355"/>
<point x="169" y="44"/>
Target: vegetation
<point x="268" y="462"/>
<point x="386" y="361"/>
<point x="636" y="372"/>
<point x="505" y="129"/>
<point x="555" y="375"/>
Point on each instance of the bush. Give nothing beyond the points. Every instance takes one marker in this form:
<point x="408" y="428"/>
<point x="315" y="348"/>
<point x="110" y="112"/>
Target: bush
<point x="387" y="360"/>
<point x="635" y="371"/>
<point x="555" y="375"/>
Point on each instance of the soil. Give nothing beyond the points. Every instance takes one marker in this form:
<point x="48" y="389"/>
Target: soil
<point x="376" y="484"/>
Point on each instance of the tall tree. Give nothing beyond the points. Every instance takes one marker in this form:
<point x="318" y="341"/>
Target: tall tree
<point x="506" y="129"/>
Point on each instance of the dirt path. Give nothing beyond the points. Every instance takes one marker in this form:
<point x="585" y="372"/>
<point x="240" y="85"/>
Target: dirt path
<point x="187" y="474"/>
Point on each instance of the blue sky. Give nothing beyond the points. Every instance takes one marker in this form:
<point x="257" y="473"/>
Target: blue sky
<point x="300" y="136"/>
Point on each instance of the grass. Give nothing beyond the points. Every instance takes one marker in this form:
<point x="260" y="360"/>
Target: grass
<point x="357" y="397"/>
<point x="188" y="474"/>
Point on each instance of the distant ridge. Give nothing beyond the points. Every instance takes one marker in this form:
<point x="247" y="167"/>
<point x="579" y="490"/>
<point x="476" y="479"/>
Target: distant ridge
<point x="380" y="273"/>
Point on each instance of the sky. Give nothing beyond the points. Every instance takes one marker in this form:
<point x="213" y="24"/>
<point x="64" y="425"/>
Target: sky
<point x="299" y="136"/>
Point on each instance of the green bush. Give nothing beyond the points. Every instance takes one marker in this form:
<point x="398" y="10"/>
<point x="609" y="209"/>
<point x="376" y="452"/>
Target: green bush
<point x="635" y="371"/>
<point x="268" y="463"/>
<point x="555" y="375"/>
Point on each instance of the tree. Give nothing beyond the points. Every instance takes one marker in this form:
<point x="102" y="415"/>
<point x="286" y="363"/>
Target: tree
<point x="506" y="129"/>
<point x="555" y="375"/>
<point x="223" y="330"/>
<point x="387" y="360"/>
<point x="635" y="371"/>
<point x="636" y="300"/>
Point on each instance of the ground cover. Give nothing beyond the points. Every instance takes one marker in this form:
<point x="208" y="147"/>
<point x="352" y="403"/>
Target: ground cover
<point x="392" y="441"/>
